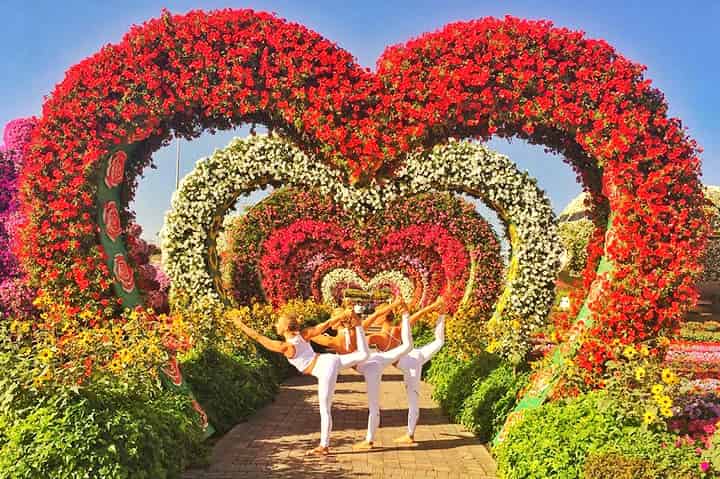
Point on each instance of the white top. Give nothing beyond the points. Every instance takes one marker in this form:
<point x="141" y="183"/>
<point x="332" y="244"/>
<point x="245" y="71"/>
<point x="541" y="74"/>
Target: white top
<point x="304" y="353"/>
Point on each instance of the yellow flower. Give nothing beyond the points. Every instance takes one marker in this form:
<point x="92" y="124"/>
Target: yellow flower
<point x="42" y="378"/>
<point x="668" y="376"/>
<point x="666" y="412"/>
<point x="657" y="389"/>
<point x="45" y="355"/>
<point x="115" y="366"/>
<point x="640" y="374"/>
<point x="125" y="356"/>
<point x="629" y="352"/>
<point x="493" y="346"/>
<point x="663" y="401"/>
<point x="649" y="417"/>
<point x="663" y="341"/>
<point x="515" y="324"/>
<point x="644" y="351"/>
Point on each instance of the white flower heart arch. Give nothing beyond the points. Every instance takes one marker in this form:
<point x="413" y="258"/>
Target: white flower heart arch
<point x="344" y="275"/>
<point x="213" y="187"/>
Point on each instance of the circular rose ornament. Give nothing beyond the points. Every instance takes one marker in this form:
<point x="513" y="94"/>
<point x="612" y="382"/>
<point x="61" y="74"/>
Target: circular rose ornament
<point x="123" y="273"/>
<point x="111" y="218"/>
<point x="115" y="172"/>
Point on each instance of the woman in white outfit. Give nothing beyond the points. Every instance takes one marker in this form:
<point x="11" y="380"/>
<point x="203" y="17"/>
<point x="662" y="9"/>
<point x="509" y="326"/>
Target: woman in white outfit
<point x="325" y="367"/>
<point x="372" y="368"/>
<point x="411" y="363"/>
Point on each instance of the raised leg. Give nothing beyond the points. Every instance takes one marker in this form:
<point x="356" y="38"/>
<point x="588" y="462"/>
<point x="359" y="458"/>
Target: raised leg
<point x="356" y="357"/>
<point x="430" y="349"/>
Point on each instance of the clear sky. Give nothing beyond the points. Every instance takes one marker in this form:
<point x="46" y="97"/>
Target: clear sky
<point x="678" y="41"/>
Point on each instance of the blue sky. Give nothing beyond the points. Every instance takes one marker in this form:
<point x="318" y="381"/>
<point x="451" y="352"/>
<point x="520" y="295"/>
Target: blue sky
<point x="677" y="41"/>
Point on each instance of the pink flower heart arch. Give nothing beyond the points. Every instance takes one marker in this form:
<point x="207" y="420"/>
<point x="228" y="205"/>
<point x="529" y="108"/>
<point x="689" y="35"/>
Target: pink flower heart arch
<point x="298" y="243"/>
<point x="184" y="74"/>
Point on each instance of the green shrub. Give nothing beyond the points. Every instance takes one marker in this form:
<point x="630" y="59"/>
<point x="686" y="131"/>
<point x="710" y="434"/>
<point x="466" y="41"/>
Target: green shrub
<point x="108" y="432"/>
<point x="618" y="466"/>
<point x="556" y="439"/>
<point x="231" y="387"/>
<point x="575" y="236"/>
<point x="454" y="379"/>
<point x="492" y="399"/>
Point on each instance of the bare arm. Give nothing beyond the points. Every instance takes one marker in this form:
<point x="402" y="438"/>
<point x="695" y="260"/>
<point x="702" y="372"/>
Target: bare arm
<point x="269" y="344"/>
<point x="381" y="311"/>
<point x="319" y="329"/>
<point x="439" y="303"/>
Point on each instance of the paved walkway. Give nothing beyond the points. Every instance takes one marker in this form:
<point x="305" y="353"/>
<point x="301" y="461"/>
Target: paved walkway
<point x="273" y="443"/>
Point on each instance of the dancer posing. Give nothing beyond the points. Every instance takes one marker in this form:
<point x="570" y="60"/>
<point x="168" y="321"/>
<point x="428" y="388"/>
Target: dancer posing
<point x="372" y="368"/>
<point x="325" y="367"/>
<point x="411" y="364"/>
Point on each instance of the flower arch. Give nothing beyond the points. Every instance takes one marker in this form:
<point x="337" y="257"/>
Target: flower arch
<point x="192" y="225"/>
<point x="184" y="74"/>
<point x="442" y="216"/>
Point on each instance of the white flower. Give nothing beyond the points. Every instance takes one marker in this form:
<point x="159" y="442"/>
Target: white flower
<point x="192" y="225"/>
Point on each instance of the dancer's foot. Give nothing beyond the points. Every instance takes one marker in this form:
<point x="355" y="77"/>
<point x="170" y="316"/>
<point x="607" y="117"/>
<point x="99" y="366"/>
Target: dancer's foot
<point x="363" y="446"/>
<point x="405" y="439"/>
<point x="318" y="451"/>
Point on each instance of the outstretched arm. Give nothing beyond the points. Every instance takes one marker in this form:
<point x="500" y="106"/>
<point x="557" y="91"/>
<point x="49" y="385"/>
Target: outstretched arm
<point x="437" y="305"/>
<point x="317" y="330"/>
<point x="381" y="311"/>
<point x="269" y="344"/>
<point x="323" y="340"/>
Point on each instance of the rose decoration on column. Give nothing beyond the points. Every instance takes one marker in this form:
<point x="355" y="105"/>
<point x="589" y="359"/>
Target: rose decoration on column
<point x="111" y="218"/>
<point x="123" y="273"/>
<point x="115" y="172"/>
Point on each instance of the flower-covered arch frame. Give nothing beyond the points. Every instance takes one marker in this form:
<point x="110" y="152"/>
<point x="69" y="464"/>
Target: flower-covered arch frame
<point x="192" y="225"/>
<point x="467" y="273"/>
<point x="184" y="74"/>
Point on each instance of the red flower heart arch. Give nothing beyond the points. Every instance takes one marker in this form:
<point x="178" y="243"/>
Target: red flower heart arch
<point x="183" y="74"/>
<point x="445" y="257"/>
<point x="282" y="248"/>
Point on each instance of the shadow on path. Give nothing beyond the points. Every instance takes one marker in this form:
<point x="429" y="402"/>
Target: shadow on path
<point x="273" y="443"/>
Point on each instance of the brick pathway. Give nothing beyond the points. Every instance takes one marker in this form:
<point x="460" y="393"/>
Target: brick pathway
<point x="273" y="443"/>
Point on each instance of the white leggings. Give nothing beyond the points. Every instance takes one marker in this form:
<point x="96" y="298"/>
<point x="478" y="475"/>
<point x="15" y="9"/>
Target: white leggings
<point x="373" y="368"/>
<point x="411" y="365"/>
<point x="326" y="370"/>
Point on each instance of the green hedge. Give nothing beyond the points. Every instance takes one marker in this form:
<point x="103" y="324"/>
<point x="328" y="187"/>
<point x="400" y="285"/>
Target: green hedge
<point x="232" y="387"/>
<point x="562" y="439"/>
<point x="107" y="432"/>
<point x="478" y="393"/>
<point x="492" y="399"/>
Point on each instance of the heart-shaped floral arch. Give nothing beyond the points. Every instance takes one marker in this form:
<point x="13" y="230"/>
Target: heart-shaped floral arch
<point x="184" y="74"/>
<point x="254" y="266"/>
<point x="191" y="226"/>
